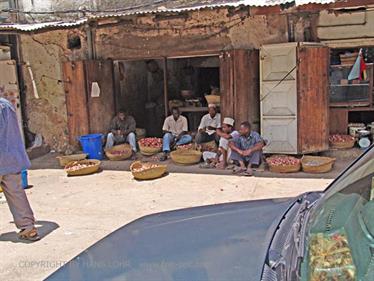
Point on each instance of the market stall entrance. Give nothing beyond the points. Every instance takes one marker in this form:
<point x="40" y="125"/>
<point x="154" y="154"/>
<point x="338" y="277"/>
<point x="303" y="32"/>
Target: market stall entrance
<point x="148" y="88"/>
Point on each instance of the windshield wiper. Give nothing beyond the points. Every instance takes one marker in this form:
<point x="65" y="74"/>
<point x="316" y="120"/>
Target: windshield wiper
<point x="287" y="264"/>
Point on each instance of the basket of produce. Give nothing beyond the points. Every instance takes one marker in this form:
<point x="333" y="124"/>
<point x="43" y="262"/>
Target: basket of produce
<point x="186" y="146"/>
<point x="330" y="257"/>
<point x="147" y="171"/>
<point x="186" y="156"/>
<point x="283" y="164"/>
<point x="342" y="141"/>
<point x="213" y="99"/>
<point x="209" y="146"/>
<point x="119" y="152"/>
<point x="317" y="164"/>
<point x="82" y="167"/>
<point x="150" y="146"/>
<point x="64" y="160"/>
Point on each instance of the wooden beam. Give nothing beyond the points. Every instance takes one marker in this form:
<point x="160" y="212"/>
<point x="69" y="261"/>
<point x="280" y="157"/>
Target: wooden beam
<point x="166" y="99"/>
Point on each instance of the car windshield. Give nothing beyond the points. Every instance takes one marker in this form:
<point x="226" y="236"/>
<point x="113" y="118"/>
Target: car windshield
<point x="340" y="239"/>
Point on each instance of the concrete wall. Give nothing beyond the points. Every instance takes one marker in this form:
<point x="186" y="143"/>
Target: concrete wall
<point x="45" y="53"/>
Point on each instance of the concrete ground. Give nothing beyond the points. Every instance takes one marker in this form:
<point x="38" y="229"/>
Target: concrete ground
<point x="75" y="212"/>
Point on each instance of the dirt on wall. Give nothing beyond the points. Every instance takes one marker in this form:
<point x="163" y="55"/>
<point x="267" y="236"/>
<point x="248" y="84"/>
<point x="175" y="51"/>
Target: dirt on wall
<point x="44" y="53"/>
<point x="203" y="31"/>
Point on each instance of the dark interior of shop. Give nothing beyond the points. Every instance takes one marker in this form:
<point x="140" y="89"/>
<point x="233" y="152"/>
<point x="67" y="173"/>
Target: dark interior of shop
<point x="142" y="89"/>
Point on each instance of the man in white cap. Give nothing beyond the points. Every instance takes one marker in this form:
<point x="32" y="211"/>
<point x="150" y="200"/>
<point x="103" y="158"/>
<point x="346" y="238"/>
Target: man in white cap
<point x="226" y="133"/>
<point x="209" y="125"/>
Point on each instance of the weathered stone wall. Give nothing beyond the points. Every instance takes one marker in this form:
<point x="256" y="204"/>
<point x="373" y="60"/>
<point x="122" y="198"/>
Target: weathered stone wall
<point x="208" y="30"/>
<point x="45" y="53"/>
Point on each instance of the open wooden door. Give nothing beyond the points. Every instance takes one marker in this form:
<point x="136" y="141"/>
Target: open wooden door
<point x="239" y="75"/>
<point x="279" y="98"/>
<point x="100" y="94"/>
<point x="89" y="97"/>
<point x="76" y="100"/>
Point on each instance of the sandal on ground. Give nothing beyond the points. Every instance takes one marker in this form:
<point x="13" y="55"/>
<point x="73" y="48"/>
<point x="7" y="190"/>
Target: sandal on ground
<point x="207" y="166"/>
<point x="29" y="234"/>
<point x="245" y="174"/>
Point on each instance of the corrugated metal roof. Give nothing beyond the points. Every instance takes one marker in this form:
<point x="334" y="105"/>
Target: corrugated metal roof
<point x="38" y="26"/>
<point x="139" y="7"/>
<point x="162" y="6"/>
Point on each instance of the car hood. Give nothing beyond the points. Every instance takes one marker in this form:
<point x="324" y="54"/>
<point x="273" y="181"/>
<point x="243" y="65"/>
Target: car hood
<point x="219" y="242"/>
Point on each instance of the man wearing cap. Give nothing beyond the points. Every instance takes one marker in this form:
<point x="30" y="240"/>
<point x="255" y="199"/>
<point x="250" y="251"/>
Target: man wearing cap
<point x="209" y="125"/>
<point x="13" y="159"/>
<point x="246" y="149"/>
<point x="220" y="159"/>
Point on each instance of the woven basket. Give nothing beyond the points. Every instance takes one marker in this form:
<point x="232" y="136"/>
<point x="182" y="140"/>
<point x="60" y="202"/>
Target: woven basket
<point x="83" y="171"/>
<point x="213" y="99"/>
<point x="149" y="172"/>
<point x="64" y="160"/>
<point x="343" y="145"/>
<point x="186" y="156"/>
<point x="127" y="152"/>
<point x="316" y="164"/>
<point x="149" y="151"/>
<point x="284" y="169"/>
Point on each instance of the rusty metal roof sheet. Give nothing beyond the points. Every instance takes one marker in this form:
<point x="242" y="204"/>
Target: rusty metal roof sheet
<point x="162" y="6"/>
<point x="139" y="7"/>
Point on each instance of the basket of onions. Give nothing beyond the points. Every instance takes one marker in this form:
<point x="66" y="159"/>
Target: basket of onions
<point x="147" y="171"/>
<point x="150" y="146"/>
<point x="82" y="167"/>
<point x="342" y="141"/>
<point x="119" y="152"/>
<point x="283" y="164"/>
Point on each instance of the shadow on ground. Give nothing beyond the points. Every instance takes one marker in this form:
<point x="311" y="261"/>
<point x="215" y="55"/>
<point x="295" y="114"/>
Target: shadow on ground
<point x="44" y="228"/>
<point x="343" y="159"/>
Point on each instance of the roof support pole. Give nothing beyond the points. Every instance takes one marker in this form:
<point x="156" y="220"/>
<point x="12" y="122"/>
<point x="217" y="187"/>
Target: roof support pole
<point x="166" y="87"/>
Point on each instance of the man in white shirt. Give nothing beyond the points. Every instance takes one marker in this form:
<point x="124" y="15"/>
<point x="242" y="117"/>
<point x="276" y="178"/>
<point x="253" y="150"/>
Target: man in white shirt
<point x="175" y="132"/>
<point x="208" y="126"/>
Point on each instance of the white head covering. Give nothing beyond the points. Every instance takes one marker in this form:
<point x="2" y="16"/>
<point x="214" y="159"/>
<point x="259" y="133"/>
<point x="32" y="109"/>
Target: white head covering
<point x="212" y="105"/>
<point x="228" y="121"/>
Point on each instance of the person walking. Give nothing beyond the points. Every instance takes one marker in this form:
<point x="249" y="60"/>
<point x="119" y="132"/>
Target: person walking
<point x="13" y="159"/>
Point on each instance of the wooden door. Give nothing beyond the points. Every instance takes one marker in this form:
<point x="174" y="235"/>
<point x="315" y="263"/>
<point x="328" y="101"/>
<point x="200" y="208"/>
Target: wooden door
<point x="239" y="74"/>
<point x="76" y="100"/>
<point x="278" y="97"/>
<point x="313" y="98"/>
<point x="100" y="101"/>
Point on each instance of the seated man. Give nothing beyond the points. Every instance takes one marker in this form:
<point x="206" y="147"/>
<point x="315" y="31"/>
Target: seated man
<point x="122" y="130"/>
<point x="175" y="132"/>
<point x="208" y="126"/>
<point x="247" y="149"/>
<point x="220" y="159"/>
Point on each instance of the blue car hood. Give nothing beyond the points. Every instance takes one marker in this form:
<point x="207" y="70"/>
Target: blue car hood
<point x="219" y="242"/>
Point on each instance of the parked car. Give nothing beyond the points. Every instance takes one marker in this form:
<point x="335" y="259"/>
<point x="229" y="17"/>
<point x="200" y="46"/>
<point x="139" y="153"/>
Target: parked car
<point x="317" y="236"/>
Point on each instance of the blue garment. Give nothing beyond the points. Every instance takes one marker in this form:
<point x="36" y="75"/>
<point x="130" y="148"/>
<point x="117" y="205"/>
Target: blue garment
<point x="244" y="143"/>
<point x="13" y="156"/>
<point x="169" y="138"/>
